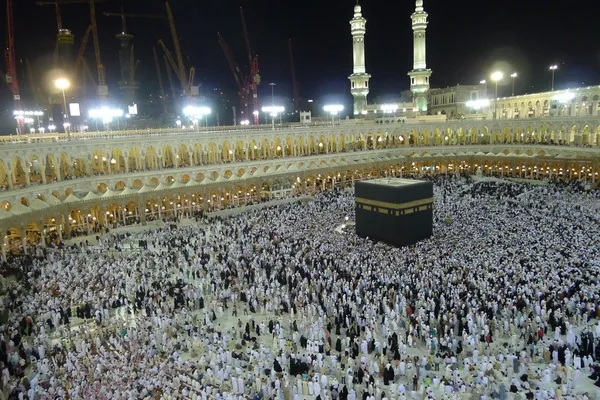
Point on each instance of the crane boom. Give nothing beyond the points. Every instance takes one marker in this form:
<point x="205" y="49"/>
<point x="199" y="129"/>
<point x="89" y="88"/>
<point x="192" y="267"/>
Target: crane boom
<point x="246" y="37"/>
<point x="58" y="17"/>
<point x="294" y="82"/>
<point x="169" y="57"/>
<point x="233" y="66"/>
<point x="160" y="81"/>
<point x="154" y="16"/>
<point x="11" y="65"/>
<point x="167" y="67"/>
<point x="84" y="40"/>
<point x="178" y="55"/>
<point x="99" y="66"/>
<point x="237" y="74"/>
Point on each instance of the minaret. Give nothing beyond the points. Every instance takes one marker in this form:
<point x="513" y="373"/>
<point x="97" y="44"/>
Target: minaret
<point x="359" y="80"/>
<point x="419" y="76"/>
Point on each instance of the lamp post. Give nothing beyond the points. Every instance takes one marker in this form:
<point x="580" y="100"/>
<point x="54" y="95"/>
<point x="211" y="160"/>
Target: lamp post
<point x="272" y="93"/>
<point x="63" y="84"/>
<point x="496" y="76"/>
<point x="273" y="110"/>
<point x="513" y="76"/>
<point x="553" y="68"/>
<point x="333" y="109"/>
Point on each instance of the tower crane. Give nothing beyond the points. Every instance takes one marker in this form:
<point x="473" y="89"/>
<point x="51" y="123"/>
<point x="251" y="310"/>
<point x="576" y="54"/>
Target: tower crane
<point x="294" y="82"/>
<point x="11" y="65"/>
<point x="128" y="65"/>
<point x="247" y="84"/>
<point x="240" y="80"/>
<point x="185" y="78"/>
<point x="254" y="77"/>
<point x="160" y="81"/>
<point x="102" y="88"/>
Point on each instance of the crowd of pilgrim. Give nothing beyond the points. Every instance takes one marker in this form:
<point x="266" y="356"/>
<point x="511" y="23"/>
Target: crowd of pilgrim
<point x="501" y="302"/>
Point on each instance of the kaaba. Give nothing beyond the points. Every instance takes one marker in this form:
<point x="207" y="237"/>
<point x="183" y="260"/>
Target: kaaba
<point x="393" y="210"/>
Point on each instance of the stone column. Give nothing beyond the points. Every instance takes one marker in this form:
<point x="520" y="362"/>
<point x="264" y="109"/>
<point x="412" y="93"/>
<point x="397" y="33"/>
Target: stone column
<point x="44" y="173"/>
<point x="57" y="165"/>
<point x="67" y="226"/>
<point x="24" y="241"/>
<point x="43" y="234"/>
<point x="142" y="213"/>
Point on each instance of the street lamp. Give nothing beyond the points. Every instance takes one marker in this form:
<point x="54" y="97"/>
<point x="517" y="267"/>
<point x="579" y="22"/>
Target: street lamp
<point x="197" y="112"/>
<point x="63" y="84"/>
<point x="272" y="93"/>
<point x="513" y="76"/>
<point x="496" y="76"/>
<point x="273" y="110"/>
<point x="333" y="109"/>
<point x="553" y="68"/>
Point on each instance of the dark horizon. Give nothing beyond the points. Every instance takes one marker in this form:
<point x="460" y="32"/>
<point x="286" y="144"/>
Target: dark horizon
<point x="465" y="42"/>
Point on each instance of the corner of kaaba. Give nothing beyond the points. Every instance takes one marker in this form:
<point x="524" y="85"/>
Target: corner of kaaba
<point x="396" y="211"/>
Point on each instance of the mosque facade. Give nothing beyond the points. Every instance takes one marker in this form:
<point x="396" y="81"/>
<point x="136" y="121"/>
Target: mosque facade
<point x="56" y="187"/>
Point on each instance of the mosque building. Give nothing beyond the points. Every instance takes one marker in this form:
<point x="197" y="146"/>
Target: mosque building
<point x="425" y="104"/>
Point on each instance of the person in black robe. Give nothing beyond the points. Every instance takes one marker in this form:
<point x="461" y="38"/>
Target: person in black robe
<point x="338" y="345"/>
<point x="277" y="367"/>
<point x="388" y="375"/>
<point x="360" y="375"/>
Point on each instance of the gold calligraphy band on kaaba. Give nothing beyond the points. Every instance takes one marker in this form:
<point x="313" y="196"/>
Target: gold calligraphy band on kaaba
<point x="394" y="206"/>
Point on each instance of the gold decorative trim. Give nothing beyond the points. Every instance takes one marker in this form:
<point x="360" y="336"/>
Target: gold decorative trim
<point x="394" y="206"/>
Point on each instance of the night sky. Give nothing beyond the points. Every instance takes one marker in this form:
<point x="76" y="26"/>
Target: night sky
<point x="466" y="40"/>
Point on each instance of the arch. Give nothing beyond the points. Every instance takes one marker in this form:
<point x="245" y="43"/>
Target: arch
<point x="120" y="185"/>
<point x="168" y="157"/>
<point x="117" y="161"/>
<point x="137" y="184"/>
<point x="35" y="169"/>
<point x="50" y="169"/>
<point x="134" y="160"/>
<point x="183" y="157"/>
<point x="151" y="158"/>
<point x="226" y="152"/>
<point x="213" y="153"/>
<point x="4" y="184"/>
<point x="19" y="177"/>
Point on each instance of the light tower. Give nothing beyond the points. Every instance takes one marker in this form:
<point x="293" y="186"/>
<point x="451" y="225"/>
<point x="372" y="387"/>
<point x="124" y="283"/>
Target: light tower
<point x="359" y="80"/>
<point x="419" y="76"/>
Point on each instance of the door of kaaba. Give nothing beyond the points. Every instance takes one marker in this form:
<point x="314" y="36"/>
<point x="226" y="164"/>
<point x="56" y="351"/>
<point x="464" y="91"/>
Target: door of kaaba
<point x="394" y="210"/>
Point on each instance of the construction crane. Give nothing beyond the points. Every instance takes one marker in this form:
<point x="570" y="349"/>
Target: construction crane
<point x="160" y="81"/>
<point x="127" y="84"/>
<point x="11" y="65"/>
<point x="80" y="53"/>
<point x="294" y="81"/>
<point x="240" y="80"/>
<point x="254" y="77"/>
<point x="187" y="85"/>
<point x="102" y="88"/>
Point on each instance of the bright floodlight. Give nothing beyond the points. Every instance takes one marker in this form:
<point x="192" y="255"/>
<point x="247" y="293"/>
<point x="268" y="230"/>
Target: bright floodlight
<point x="333" y="108"/>
<point x="273" y="109"/>
<point x="389" y="108"/>
<point x="564" y="97"/>
<point x="22" y="113"/>
<point x="478" y="104"/>
<point x="553" y="67"/>
<point x="106" y="114"/>
<point x="482" y="82"/>
<point x="196" y="112"/>
<point x="497" y="76"/>
<point x="62" y="83"/>
<point x="513" y="75"/>
<point x="245" y="122"/>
